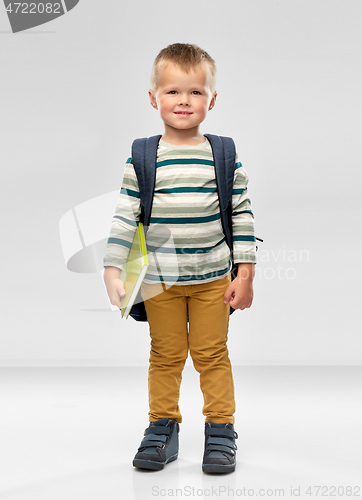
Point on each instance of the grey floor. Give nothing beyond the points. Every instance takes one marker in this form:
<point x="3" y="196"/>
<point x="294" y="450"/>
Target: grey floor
<point x="71" y="434"/>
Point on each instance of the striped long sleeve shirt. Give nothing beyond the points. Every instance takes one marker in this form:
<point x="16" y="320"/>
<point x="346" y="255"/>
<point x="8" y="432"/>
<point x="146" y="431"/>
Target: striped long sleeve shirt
<point x="185" y="240"/>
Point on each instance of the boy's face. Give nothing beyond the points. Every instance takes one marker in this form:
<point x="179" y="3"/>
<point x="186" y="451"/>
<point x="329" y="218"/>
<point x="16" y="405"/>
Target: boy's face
<point x="183" y="99"/>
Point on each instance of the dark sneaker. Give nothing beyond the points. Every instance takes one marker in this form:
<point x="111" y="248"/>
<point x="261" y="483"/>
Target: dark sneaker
<point x="220" y="448"/>
<point x="159" y="446"/>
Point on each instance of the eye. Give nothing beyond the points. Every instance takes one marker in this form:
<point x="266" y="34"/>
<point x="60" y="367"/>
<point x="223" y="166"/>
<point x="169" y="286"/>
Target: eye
<point x="172" y="92"/>
<point x="197" y="92"/>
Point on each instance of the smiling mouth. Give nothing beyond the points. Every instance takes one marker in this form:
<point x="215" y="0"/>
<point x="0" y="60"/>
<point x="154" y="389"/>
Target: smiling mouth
<point x="182" y="113"/>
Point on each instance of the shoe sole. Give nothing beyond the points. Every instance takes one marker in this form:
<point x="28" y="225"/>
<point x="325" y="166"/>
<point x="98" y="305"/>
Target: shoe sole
<point x="151" y="465"/>
<point x="217" y="468"/>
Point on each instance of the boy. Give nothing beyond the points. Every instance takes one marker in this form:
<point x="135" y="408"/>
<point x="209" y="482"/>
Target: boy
<point x="186" y="202"/>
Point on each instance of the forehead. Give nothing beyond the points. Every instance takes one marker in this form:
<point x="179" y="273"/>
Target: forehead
<point x="172" y="74"/>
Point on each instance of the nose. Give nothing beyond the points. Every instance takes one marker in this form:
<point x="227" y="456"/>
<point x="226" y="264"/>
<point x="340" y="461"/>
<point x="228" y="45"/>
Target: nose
<point x="184" y="100"/>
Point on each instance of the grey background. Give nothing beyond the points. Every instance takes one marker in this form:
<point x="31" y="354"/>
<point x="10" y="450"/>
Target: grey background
<point x="74" y="96"/>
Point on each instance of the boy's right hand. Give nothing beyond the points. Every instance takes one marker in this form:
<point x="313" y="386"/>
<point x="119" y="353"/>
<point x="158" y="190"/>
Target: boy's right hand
<point x="114" y="285"/>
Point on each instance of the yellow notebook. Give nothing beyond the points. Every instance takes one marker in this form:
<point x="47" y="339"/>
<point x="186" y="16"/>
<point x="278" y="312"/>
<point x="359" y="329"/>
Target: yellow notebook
<point x="135" y="270"/>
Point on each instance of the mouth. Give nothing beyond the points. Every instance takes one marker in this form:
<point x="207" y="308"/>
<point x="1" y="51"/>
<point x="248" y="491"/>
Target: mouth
<point x="182" y="113"/>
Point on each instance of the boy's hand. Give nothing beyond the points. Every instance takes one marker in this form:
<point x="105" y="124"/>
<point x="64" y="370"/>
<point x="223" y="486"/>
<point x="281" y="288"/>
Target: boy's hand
<point x="114" y="285"/>
<point x="240" y="291"/>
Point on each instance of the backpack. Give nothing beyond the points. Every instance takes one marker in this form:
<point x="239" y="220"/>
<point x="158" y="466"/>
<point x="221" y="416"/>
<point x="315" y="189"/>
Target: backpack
<point x="144" y="160"/>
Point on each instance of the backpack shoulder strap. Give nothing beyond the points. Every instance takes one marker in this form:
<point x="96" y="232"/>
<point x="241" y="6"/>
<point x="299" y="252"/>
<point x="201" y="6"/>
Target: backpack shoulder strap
<point x="144" y="160"/>
<point x="230" y="156"/>
<point x="223" y="149"/>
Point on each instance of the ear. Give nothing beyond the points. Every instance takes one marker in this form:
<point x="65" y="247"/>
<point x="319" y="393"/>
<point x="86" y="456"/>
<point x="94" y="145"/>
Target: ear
<point x="213" y="100"/>
<point x="152" y="98"/>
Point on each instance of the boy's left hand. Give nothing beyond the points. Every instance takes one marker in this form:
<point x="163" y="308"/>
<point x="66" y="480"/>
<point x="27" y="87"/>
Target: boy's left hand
<point x="240" y="291"/>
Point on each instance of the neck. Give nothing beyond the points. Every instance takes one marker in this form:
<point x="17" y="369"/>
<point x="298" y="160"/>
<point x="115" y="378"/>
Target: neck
<point x="176" y="136"/>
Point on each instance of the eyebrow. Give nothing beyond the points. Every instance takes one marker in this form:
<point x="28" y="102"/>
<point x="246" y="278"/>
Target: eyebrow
<point x="194" y="87"/>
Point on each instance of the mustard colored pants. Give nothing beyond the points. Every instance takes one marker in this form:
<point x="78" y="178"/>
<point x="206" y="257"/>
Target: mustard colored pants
<point x="206" y="339"/>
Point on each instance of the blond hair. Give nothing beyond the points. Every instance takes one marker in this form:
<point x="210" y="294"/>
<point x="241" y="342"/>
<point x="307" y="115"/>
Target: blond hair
<point x="187" y="57"/>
